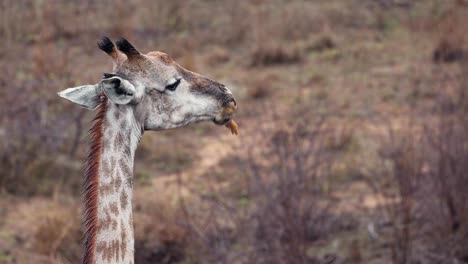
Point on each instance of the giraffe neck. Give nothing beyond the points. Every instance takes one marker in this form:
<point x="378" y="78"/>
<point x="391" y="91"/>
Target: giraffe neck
<point x="109" y="225"/>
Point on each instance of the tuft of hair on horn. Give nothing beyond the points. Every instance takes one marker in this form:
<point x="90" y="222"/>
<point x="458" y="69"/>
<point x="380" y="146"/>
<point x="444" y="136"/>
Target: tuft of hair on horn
<point x="126" y="47"/>
<point x="106" y="45"/>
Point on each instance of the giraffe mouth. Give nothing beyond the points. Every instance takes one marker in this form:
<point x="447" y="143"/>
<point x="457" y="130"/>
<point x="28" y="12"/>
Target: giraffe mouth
<point x="221" y="122"/>
<point x="227" y="112"/>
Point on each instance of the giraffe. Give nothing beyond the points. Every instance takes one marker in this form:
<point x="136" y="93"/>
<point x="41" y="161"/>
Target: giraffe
<point x="143" y="92"/>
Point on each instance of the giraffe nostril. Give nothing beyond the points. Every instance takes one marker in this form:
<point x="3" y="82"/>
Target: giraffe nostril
<point x="234" y="103"/>
<point x="231" y="104"/>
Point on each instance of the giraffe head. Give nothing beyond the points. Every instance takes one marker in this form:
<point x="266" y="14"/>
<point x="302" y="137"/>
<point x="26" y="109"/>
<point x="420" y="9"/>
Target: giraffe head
<point x="162" y="94"/>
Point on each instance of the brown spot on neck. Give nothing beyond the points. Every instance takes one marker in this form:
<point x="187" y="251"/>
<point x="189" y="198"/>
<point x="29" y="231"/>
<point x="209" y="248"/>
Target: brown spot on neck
<point x="123" y="240"/>
<point x="123" y="200"/>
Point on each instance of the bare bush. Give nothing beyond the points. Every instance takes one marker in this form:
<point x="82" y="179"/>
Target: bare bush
<point x="426" y="183"/>
<point x="277" y="205"/>
<point x="27" y="167"/>
<point x="57" y="236"/>
<point x="34" y="124"/>
<point x="274" y="54"/>
<point x="290" y="210"/>
<point x="163" y="241"/>
<point x="451" y="43"/>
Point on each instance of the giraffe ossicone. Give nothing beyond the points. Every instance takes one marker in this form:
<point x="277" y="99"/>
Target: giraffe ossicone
<point x="143" y="92"/>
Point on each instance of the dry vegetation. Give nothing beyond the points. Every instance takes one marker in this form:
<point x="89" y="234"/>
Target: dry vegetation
<point x="353" y="118"/>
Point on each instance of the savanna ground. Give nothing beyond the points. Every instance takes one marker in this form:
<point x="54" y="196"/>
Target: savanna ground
<point x="352" y="147"/>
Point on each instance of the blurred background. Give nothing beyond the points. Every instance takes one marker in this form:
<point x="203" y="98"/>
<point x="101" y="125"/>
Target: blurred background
<point x="353" y="143"/>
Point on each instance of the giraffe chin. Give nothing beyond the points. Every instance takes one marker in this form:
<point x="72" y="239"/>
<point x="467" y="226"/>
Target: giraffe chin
<point x="221" y="122"/>
<point x="226" y="114"/>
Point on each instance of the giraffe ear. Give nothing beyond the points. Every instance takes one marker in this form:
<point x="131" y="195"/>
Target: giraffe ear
<point x="118" y="90"/>
<point x="86" y="96"/>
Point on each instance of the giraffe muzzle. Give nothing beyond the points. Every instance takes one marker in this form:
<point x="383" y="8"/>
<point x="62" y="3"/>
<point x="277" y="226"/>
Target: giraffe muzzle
<point x="227" y="112"/>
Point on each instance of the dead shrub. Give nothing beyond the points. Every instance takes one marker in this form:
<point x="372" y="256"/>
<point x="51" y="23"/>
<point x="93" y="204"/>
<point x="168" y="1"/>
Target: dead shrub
<point x="276" y="206"/>
<point x="451" y="45"/>
<point x="58" y="235"/>
<point x="261" y="87"/>
<point x="426" y="181"/>
<point x="271" y="54"/>
<point x="321" y="44"/>
<point x="292" y="209"/>
<point x="159" y="234"/>
<point x="167" y="246"/>
<point x="25" y="156"/>
<point x="217" y="56"/>
<point x="259" y="90"/>
<point x="447" y="52"/>
<point x="51" y="234"/>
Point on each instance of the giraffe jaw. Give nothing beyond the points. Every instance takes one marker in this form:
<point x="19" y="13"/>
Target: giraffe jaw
<point x="221" y="122"/>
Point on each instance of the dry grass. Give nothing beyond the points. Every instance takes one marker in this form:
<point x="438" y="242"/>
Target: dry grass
<point x="162" y="241"/>
<point x="425" y="179"/>
<point x="295" y="190"/>
<point x="262" y="87"/>
<point x="274" y="54"/>
<point x="451" y="44"/>
<point x="217" y="56"/>
<point x="245" y="208"/>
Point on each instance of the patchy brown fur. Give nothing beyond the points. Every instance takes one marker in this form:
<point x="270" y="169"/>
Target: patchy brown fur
<point x="161" y="56"/>
<point x="91" y="183"/>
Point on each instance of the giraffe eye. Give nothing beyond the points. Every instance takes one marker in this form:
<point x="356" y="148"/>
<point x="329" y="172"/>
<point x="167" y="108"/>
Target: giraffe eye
<point x="173" y="86"/>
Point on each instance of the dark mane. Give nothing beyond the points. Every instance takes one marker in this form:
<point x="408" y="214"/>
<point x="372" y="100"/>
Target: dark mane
<point x="91" y="183"/>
